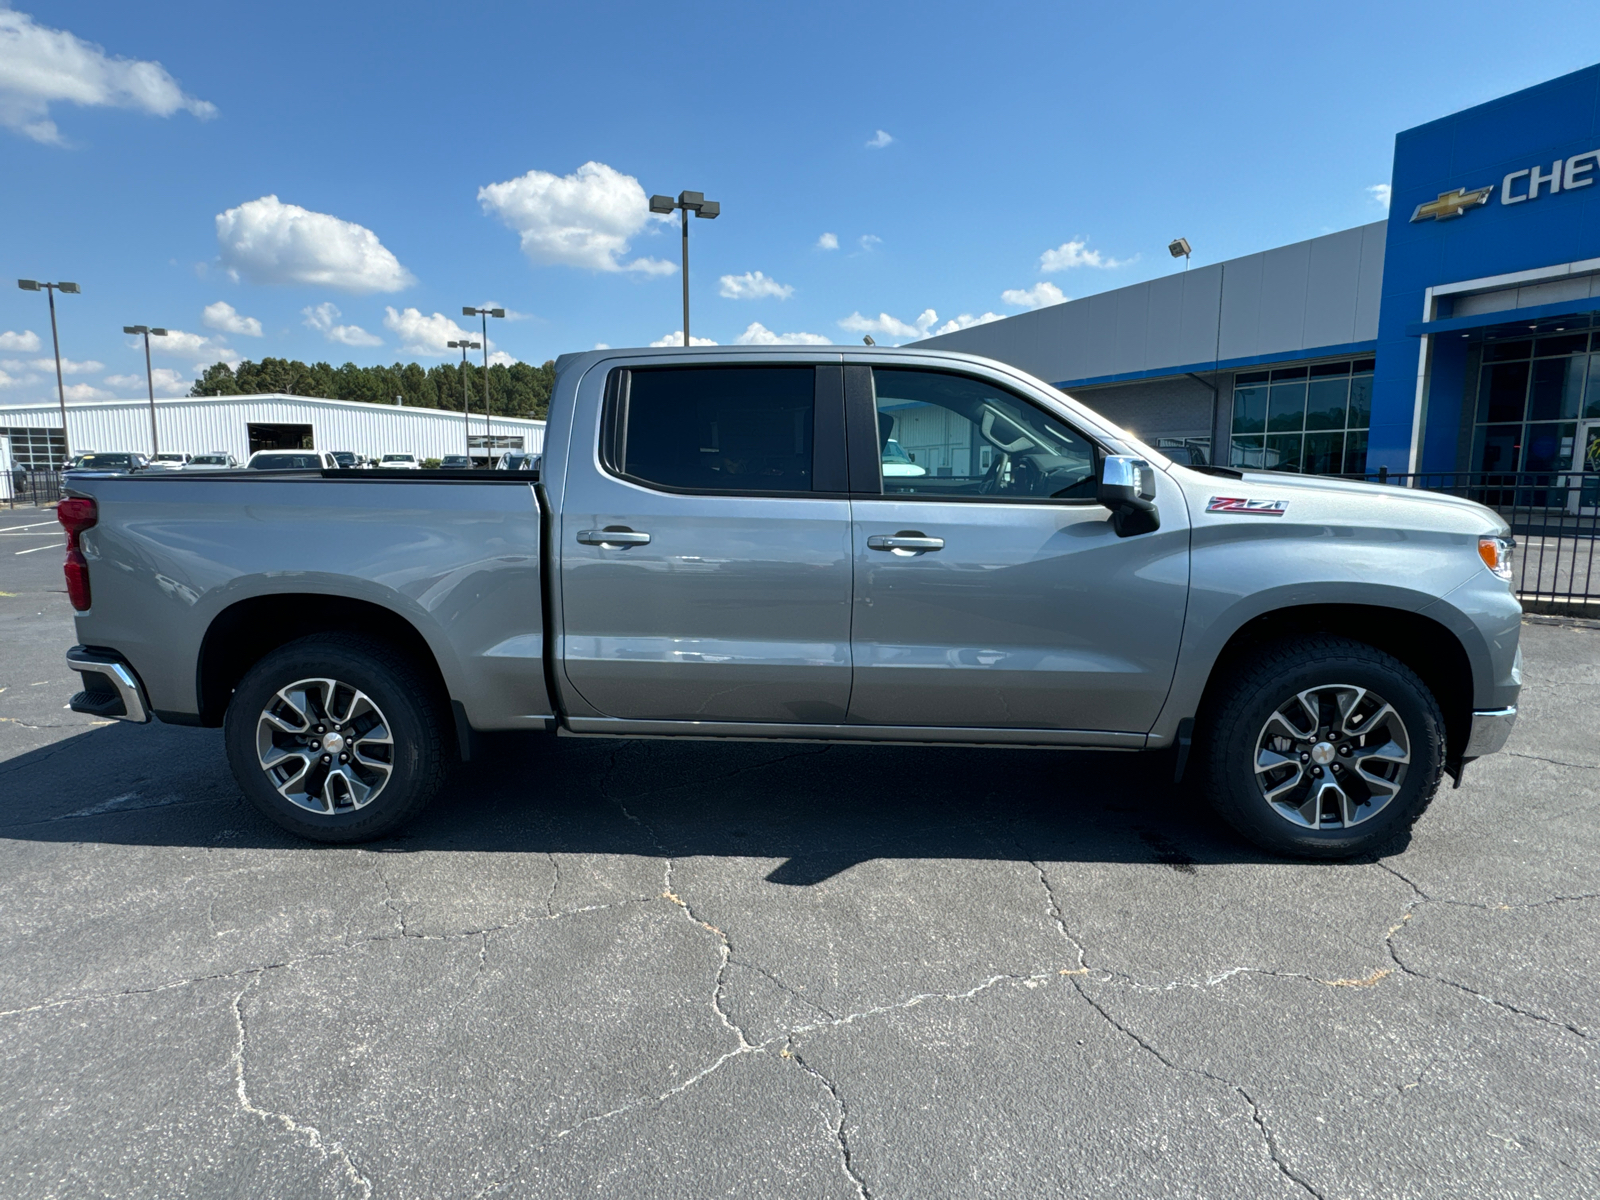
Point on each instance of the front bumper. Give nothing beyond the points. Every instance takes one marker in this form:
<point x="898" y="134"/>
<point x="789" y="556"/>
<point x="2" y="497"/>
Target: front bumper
<point x="1489" y="731"/>
<point x="111" y="689"/>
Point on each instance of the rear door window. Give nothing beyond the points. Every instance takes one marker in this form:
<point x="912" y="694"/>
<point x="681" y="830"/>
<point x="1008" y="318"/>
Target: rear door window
<point x="715" y="429"/>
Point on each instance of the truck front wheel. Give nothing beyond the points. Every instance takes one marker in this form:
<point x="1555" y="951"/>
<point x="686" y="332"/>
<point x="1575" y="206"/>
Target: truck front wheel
<point x="1323" y="747"/>
<point x="336" y="738"/>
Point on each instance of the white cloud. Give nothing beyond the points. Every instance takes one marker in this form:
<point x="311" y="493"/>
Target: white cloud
<point x="322" y="318"/>
<point x="926" y="324"/>
<point x="268" y="241"/>
<point x="26" y="342"/>
<point x="580" y="220"/>
<point x="602" y="345"/>
<point x="966" y="321"/>
<point x="1075" y="254"/>
<point x="759" y="335"/>
<point x="869" y="240"/>
<point x="428" y="335"/>
<point x="890" y="326"/>
<point x="879" y="140"/>
<point x="828" y="241"/>
<point x="40" y="66"/>
<point x="675" y="338"/>
<point x="753" y="285"/>
<point x="86" y="391"/>
<point x="189" y="345"/>
<point x="223" y="316"/>
<point x="68" y="366"/>
<point x="1040" y="295"/>
<point x="167" y="382"/>
<point x="1380" y="193"/>
<point x="9" y="380"/>
<point x="499" y="358"/>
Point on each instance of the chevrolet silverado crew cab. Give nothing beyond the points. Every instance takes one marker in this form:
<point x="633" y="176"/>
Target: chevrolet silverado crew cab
<point x="866" y="545"/>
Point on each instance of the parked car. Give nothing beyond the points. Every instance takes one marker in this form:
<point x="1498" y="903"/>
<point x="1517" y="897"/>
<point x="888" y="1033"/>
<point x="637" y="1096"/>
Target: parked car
<point x="455" y="462"/>
<point x="517" y="460"/>
<point x="399" y="462"/>
<point x="897" y="462"/>
<point x="347" y="460"/>
<point x="170" y="462"/>
<point x="217" y="460"/>
<point x="108" y="460"/>
<point x="716" y="551"/>
<point x="291" y="460"/>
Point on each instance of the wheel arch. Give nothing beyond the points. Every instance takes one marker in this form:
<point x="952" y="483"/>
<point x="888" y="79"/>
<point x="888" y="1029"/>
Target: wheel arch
<point x="1429" y="647"/>
<point x="246" y="631"/>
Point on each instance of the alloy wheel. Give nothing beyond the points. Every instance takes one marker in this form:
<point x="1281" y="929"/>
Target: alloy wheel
<point x="325" y="746"/>
<point x="1332" y="757"/>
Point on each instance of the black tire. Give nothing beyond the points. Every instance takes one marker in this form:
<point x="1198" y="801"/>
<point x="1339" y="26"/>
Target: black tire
<point x="1247" y="699"/>
<point x="408" y="702"/>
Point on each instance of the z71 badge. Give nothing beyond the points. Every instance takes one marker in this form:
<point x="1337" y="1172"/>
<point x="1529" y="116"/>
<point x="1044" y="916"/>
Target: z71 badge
<point x="1247" y="508"/>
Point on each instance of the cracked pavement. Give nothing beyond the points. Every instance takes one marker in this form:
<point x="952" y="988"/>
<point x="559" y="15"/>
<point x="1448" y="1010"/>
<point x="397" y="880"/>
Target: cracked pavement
<point x="631" y="968"/>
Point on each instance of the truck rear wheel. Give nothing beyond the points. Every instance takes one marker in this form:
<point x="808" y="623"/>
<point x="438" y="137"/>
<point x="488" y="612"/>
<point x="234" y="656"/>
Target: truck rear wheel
<point x="1324" y="747"/>
<point x="336" y="738"/>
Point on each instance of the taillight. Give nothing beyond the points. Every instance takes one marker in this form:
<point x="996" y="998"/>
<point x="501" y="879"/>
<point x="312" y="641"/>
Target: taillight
<point x="77" y="513"/>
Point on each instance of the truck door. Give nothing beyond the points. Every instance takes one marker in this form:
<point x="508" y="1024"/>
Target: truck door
<point x="705" y="547"/>
<point x="991" y="590"/>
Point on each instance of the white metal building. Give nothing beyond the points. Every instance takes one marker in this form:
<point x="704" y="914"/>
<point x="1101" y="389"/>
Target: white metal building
<point x="240" y="425"/>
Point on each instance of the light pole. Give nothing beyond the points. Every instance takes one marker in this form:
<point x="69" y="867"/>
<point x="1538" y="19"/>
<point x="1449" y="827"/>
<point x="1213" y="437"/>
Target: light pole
<point x="466" y="409"/>
<point x="71" y="289"/>
<point x="485" y="313"/>
<point x="1180" y="248"/>
<point x="696" y="203"/>
<point x="149" y="378"/>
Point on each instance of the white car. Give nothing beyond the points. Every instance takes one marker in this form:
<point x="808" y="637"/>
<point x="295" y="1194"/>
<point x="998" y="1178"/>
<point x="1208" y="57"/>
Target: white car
<point x="291" y="460"/>
<point x="217" y="460"/>
<point x="170" y="462"/>
<point x="399" y="462"/>
<point x="897" y="462"/>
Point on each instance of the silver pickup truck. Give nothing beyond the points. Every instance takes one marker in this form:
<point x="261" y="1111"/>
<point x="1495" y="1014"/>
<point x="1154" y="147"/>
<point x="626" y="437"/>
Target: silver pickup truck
<point x="864" y="545"/>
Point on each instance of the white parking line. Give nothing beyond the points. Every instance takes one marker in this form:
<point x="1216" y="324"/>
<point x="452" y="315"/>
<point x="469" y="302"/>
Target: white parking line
<point x="36" y="525"/>
<point x="36" y="549"/>
<point x="40" y="533"/>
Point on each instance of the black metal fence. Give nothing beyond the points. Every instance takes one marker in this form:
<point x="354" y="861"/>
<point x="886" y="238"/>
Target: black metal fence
<point x="1555" y="518"/>
<point x="29" y="486"/>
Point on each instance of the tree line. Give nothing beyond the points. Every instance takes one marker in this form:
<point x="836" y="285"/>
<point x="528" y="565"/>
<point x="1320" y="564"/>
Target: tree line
<point x="518" y="390"/>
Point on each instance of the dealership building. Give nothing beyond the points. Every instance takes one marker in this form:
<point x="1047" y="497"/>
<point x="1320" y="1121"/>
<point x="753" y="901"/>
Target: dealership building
<point x="241" y="425"/>
<point x="1454" y="337"/>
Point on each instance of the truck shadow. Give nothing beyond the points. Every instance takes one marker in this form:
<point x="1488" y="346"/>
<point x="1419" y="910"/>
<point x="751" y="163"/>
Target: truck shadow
<point x="802" y="813"/>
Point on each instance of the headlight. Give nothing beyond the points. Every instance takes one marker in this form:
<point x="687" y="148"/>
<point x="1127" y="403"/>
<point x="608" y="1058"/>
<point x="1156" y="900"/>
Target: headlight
<point x="1496" y="555"/>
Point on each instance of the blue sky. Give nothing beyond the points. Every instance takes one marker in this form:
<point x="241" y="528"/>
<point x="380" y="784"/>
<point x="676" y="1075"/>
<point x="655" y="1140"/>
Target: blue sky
<point x="967" y="159"/>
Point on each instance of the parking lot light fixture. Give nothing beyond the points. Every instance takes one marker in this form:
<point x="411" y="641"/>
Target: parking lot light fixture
<point x="1180" y="248"/>
<point x="686" y="202"/>
<point x="466" y="409"/>
<point x="485" y="313"/>
<point x="149" y="332"/>
<point x="71" y="289"/>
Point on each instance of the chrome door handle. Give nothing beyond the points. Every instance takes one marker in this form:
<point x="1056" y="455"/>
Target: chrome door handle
<point x="904" y="541"/>
<point x="613" y="538"/>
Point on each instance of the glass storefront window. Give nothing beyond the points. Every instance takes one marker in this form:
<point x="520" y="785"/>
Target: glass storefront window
<point x="1309" y="416"/>
<point x="1532" y="391"/>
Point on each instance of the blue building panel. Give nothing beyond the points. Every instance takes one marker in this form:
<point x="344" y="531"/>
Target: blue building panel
<point x="1489" y="146"/>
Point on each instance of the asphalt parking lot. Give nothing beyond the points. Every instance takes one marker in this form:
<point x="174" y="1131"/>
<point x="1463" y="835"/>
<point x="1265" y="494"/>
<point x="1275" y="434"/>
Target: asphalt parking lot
<point x="649" y="969"/>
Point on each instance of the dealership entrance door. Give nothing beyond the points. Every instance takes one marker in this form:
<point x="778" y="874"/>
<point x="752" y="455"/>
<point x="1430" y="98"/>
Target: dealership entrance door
<point x="279" y="437"/>
<point x="1584" y="498"/>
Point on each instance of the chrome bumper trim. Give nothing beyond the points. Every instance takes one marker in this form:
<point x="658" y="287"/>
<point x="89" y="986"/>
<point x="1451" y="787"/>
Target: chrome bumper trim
<point x="1489" y="731"/>
<point x="129" y="690"/>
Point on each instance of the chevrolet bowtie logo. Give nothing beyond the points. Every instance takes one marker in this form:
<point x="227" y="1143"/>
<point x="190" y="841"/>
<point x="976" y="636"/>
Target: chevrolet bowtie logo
<point x="1452" y="204"/>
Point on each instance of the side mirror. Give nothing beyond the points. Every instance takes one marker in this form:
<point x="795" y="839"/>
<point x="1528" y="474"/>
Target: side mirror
<point x="1128" y="489"/>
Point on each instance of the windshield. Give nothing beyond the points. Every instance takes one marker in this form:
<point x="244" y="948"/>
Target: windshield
<point x="106" y="462"/>
<point x="169" y="458"/>
<point x="285" y="462"/>
<point x="399" y="458"/>
<point x="209" y="460"/>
